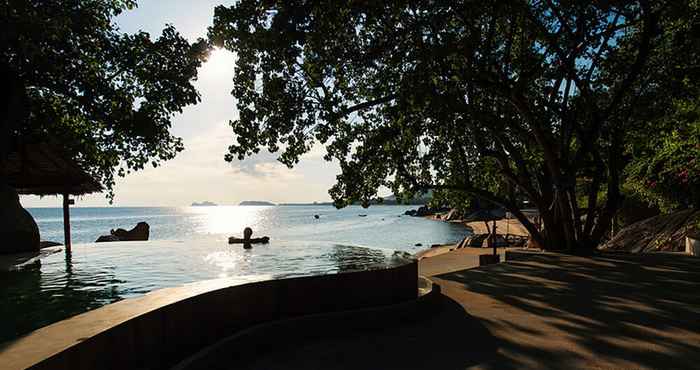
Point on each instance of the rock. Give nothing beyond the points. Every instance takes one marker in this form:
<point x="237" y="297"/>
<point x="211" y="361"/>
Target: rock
<point x="424" y="211"/>
<point x="107" y="238"/>
<point x="47" y="244"/>
<point x="317" y="217"/>
<point x="139" y="232"/>
<point x="419" y="244"/>
<point x="452" y="215"/>
<point x="420" y="212"/>
<point x="19" y="232"/>
<point x="473" y="241"/>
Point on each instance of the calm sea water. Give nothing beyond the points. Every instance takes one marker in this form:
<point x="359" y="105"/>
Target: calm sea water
<point x="190" y="244"/>
<point x="380" y="228"/>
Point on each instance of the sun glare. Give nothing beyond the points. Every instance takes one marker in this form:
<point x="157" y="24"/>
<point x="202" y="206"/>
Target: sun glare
<point x="219" y="61"/>
<point x="227" y="220"/>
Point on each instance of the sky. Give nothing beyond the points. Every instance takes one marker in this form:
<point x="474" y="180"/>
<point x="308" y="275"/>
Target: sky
<point x="200" y="173"/>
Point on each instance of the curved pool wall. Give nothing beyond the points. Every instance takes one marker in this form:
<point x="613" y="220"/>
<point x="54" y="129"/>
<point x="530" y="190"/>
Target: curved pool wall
<point x="164" y="327"/>
<point x="284" y="335"/>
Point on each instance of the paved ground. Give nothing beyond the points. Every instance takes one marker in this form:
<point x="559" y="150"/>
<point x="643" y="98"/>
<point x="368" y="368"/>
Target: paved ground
<point x="458" y="259"/>
<point x="549" y="312"/>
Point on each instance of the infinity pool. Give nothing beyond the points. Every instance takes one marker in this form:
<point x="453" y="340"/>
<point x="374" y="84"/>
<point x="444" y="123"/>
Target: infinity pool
<point x="93" y="275"/>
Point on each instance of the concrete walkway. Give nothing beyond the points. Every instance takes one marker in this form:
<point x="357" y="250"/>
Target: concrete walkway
<point x="545" y="311"/>
<point x="455" y="260"/>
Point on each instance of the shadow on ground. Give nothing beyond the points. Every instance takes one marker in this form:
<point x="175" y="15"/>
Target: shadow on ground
<point x="451" y="339"/>
<point x="613" y="310"/>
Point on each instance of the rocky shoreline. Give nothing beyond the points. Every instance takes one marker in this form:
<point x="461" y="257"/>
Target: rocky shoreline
<point x="509" y="231"/>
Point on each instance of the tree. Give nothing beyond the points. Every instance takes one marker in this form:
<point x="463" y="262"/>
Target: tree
<point x="433" y="94"/>
<point x="73" y="78"/>
<point x="664" y="147"/>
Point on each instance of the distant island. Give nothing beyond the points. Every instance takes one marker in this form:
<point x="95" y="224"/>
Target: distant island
<point x="255" y="203"/>
<point x="204" y="204"/>
<point x="390" y="200"/>
<point x="307" y="204"/>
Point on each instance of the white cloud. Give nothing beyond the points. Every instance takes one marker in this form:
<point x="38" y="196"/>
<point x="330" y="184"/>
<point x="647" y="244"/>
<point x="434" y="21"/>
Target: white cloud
<point x="200" y="172"/>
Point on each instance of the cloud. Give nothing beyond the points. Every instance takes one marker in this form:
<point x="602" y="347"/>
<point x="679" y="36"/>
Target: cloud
<point x="200" y="172"/>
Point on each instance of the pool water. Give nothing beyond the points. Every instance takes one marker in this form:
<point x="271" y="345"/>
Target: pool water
<point x="59" y="286"/>
<point x="189" y="244"/>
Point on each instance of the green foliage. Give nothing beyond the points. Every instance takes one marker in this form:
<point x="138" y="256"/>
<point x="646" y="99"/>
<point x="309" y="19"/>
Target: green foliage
<point x="664" y="147"/>
<point x="106" y="96"/>
<point x="460" y="97"/>
<point x="665" y="170"/>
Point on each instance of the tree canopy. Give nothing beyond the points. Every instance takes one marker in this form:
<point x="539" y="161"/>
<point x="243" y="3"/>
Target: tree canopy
<point x="435" y="94"/>
<point x="108" y="97"/>
<point x="664" y="142"/>
<point x="423" y="95"/>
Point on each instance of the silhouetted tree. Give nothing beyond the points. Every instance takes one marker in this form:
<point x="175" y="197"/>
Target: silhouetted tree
<point x="434" y="94"/>
<point x="71" y="77"/>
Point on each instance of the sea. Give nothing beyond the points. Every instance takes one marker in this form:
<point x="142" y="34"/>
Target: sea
<point x="376" y="226"/>
<point x="189" y="244"/>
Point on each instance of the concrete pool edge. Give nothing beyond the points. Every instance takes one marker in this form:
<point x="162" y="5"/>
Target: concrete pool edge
<point x="163" y="327"/>
<point x="296" y="330"/>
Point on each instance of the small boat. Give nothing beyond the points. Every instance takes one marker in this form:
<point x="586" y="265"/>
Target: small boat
<point x="362" y="215"/>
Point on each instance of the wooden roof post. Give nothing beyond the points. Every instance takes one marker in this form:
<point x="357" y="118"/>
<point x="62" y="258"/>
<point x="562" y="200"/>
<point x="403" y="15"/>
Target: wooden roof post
<point x="66" y="221"/>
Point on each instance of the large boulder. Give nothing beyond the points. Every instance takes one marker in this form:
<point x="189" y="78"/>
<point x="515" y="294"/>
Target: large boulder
<point x="19" y="232"/>
<point x="453" y="215"/>
<point x="107" y="238"/>
<point x="139" y="232"/>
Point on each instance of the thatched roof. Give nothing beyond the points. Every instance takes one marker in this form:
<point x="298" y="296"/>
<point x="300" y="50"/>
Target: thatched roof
<point x="45" y="169"/>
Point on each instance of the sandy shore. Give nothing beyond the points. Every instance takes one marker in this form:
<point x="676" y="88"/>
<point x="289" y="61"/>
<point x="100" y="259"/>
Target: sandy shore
<point x="506" y="226"/>
<point x="509" y="226"/>
<point x="503" y="227"/>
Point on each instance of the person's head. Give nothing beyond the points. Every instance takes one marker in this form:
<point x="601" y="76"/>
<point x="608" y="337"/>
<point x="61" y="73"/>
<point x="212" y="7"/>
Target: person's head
<point x="247" y="233"/>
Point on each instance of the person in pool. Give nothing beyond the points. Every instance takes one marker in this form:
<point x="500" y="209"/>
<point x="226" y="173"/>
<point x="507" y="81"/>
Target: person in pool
<point x="248" y="240"/>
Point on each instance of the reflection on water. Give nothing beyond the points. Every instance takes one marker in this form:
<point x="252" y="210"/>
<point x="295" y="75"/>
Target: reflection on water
<point x="226" y="219"/>
<point x="351" y="258"/>
<point x="32" y="299"/>
<point x="60" y="286"/>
